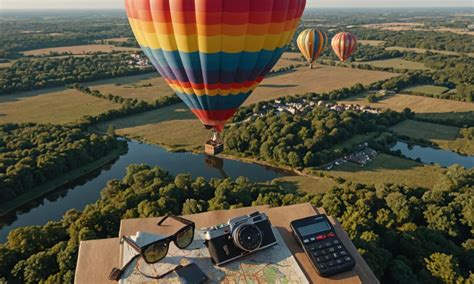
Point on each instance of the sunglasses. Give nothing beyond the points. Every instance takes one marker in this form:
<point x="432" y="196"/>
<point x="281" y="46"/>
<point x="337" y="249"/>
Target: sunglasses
<point x="156" y="251"/>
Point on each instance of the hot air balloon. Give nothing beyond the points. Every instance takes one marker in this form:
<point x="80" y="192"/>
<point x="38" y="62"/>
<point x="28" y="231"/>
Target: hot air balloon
<point x="214" y="53"/>
<point x="311" y="43"/>
<point x="344" y="45"/>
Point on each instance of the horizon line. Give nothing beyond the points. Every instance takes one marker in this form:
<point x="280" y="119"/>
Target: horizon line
<point x="324" y="7"/>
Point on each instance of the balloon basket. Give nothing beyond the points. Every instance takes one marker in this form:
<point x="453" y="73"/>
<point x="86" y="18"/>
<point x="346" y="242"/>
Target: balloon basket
<point x="213" y="148"/>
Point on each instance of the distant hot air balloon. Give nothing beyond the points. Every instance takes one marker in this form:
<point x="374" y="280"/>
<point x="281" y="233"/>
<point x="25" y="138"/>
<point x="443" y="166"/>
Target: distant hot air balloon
<point x="344" y="45"/>
<point x="214" y="53"/>
<point x="311" y="43"/>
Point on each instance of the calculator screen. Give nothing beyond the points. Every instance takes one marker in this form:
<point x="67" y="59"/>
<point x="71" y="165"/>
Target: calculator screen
<point x="314" y="228"/>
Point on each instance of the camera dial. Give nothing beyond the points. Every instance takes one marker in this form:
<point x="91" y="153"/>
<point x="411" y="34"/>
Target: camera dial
<point x="248" y="237"/>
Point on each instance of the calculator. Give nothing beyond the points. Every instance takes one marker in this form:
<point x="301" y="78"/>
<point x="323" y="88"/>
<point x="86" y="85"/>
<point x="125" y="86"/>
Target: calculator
<point x="322" y="246"/>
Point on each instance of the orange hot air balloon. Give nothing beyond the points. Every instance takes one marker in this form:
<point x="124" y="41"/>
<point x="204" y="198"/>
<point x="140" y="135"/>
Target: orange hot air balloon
<point x="344" y="45"/>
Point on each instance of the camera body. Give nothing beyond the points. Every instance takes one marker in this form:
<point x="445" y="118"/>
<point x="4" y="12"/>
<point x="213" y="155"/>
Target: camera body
<point x="241" y="236"/>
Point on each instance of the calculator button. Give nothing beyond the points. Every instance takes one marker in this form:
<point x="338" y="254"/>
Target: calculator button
<point x="312" y="248"/>
<point x="339" y="247"/>
<point x="320" y="237"/>
<point x="306" y="241"/>
<point x="335" y="255"/>
<point x="332" y="249"/>
<point x="322" y="265"/>
<point x="343" y="253"/>
<point x="323" y="251"/>
<point x="327" y="257"/>
<point x="312" y="239"/>
<point x="328" y="244"/>
<point x="339" y="261"/>
<point x="331" y="263"/>
<point x="319" y="259"/>
<point x="336" y="242"/>
<point x="347" y="258"/>
<point x="319" y="246"/>
<point x="331" y="235"/>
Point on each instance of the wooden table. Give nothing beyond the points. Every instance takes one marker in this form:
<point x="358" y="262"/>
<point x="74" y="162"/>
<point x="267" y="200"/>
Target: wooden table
<point x="98" y="257"/>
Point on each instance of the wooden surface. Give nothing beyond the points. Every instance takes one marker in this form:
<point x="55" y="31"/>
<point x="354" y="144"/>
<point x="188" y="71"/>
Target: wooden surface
<point x="98" y="257"/>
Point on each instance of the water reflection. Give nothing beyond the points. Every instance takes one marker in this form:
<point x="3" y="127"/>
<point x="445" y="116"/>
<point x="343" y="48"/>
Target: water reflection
<point x="86" y="190"/>
<point x="430" y="155"/>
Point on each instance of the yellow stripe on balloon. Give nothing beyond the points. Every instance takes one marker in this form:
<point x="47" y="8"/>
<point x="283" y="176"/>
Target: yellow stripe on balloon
<point x="213" y="44"/>
<point x="212" y="92"/>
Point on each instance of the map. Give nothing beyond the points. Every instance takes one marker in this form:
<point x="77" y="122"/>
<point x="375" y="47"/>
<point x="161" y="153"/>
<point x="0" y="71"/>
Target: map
<point x="272" y="265"/>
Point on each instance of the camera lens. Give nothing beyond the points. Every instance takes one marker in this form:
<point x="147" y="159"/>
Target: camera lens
<point x="248" y="237"/>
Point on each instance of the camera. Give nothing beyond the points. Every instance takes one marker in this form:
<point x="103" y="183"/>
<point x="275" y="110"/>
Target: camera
<point x="239" y="237"/>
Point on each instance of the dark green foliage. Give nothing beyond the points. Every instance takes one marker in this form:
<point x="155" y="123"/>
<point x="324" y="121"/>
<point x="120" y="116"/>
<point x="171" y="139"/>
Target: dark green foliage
<point x="387" y="224"/>
<point x="306" y="139"/>
<point x="29" y="74"/>
<point x="32" y="154"/>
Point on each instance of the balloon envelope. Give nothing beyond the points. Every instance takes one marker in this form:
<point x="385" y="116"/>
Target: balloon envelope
<point x="344" y="45"/>
<point x="214" y="53"/>
<point x="311" y="43"/>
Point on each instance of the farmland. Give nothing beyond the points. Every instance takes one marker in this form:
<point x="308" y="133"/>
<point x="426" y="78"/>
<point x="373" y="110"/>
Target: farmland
<point x="397" y="63"/>
<point x="306" y="184"/>
<point x="174" y="127"/>
<point x="422" y="50"/>
<point x="389" y="169"/>
<point x="57" y="105"/>
<point x="417" y="104"/>
<point x="372" y="42"/>
<point x="79" y="49"/>
<point x="321" y="79"/>
<point x="446" y="137"/>
<point x="146" y="87"/>
<point x="427" y="89"/>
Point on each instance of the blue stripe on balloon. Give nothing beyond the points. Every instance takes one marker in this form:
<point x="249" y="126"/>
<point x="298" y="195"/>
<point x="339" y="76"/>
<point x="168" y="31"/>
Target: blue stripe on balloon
<point x="212" y="68"/>
<point x="213" y="102"/>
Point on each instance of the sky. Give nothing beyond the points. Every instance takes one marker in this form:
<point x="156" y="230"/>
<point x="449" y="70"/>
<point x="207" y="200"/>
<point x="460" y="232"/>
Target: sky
<point x="118" y="4"/>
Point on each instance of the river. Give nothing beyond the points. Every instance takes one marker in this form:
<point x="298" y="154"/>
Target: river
<point x="430" y="155"/>
<point x="86" y="190"/>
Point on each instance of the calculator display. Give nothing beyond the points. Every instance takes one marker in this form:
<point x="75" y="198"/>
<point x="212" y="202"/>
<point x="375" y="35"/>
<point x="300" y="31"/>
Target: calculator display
<point x="313" y="228"/>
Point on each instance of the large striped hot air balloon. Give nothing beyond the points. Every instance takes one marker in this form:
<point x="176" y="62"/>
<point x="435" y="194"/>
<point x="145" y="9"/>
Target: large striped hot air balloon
<point x="214" y="53"/>
<point x="311" y="43"/>
<point x="344" y="45"/>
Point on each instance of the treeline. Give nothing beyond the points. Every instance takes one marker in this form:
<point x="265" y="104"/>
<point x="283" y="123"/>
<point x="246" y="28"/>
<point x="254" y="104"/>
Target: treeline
<point x="23" y="34"/>
<point x="419" y="39"/>
<point x="129" y="106"/>
<point x="29" y="74"/>
<point x="31" y="154"/>
<point x="406" y="235"/>
<point x="306" y="139"/>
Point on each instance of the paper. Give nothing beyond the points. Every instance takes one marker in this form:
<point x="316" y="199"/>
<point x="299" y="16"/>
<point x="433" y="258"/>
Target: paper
<point x="273" y="265"/>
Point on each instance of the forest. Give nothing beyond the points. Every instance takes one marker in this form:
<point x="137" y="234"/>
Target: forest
<point x="406" y="235"/>
<point x="31" y="154"/>
<point x="29" y="74"/>
<point x="305" y="140"/>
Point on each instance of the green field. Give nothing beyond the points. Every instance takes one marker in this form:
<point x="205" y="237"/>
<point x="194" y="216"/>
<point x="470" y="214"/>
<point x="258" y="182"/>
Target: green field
<point x="427" y="89"/>
<point x="306" y="184"/>
<point x="174" y="127"/>
<point x="147" y="87"/>
<point x="418" y="104"/>
<point x="58" y="105"/>
<point x="396" y="63"/>
<point x="389" y="169"/>
<point x="422" y="50"/>
<point x="446" y="137"/>
<point x="354" y="141"/>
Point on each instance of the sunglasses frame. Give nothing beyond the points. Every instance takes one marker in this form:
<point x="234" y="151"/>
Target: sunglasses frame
<point x="117" y="273"/>
<point x="167" y="240"/>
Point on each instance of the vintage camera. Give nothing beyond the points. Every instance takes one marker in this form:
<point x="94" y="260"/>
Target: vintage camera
<point x="241" y="236"/>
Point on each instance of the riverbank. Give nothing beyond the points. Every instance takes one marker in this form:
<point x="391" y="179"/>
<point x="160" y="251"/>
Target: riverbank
<point x="12" y="205"/>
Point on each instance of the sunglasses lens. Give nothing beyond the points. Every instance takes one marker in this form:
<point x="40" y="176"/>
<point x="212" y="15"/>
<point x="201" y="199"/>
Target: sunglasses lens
<point x="185" y="237"/>
<point x="155" y="252"/>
